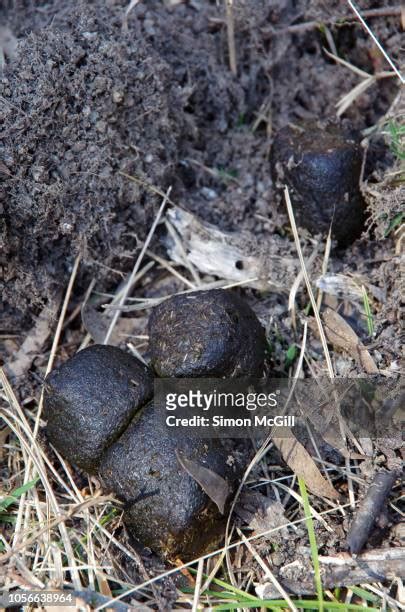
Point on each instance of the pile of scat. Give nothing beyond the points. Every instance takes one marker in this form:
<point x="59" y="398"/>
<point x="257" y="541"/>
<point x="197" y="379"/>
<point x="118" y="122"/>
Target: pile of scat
<point x="101" y="416"/>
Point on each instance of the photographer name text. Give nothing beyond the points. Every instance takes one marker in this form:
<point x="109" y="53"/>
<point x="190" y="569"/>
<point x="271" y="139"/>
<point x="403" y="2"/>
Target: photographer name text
<point x="227" y="422"/>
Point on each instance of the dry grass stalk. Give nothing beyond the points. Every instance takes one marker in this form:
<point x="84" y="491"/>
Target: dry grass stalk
<point x="267" y="571"/>
<point x="307" y="282"/>
<point x="136" y="267"/>
<point x="219" y="551"/>
<point x="231" y="36"/>
<point x="368" y="80"/>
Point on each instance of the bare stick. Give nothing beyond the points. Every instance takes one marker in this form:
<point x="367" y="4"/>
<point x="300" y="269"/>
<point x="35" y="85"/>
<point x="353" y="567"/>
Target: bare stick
<point x="318" y="321"/>
<point x="341" y="570"/>
<point x="370" y="510"/>
<point x="63" y="314"/>
<point x="56" y="338"/>
<point x="389" y="11"/>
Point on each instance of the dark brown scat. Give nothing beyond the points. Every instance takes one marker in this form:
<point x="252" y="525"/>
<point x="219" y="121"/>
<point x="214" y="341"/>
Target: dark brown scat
<point x="167" y="510"/>
<point x="206" y="333"/>
<point x="90" y="399"/>
<point x="321" y="162"/>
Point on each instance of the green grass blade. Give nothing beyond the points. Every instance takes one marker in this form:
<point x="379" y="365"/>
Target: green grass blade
<point x="365" y="594"/>
<point x="312" y="542"/>
<point x="241" y="599"/>
<point x="305" y="604"/>
<point x="227" y="587"/>
<point x="7" y="518"/>
<point x="395" y="222"/>
<point x="367" y="310"/>
<point x="223" y="594"/>
<point x="14" y="496"/>
<point x="291" y="355"/>
<point x="397" y="133"/>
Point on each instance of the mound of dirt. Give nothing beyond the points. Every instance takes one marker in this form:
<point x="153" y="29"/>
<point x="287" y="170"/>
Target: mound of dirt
<point x="78" y="106"/>
<point x="83" y="98"/>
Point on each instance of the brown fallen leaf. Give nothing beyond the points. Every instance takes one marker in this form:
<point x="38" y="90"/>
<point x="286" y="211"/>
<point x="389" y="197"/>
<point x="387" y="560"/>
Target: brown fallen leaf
<point x="216" y="487"/>
<point x="302" y="464"/>
<point x="35" y="340"/>
<point x="4" y="433"/>
<point x="94" y="323"/>
<point x="103" y="585"/>
<point x="339" y="333"/>
<point x="262" y="513"/>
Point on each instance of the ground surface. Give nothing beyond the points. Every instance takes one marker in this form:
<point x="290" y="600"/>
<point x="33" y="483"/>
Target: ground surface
<point x="87" y="100"/>
<point x="81" y="101"/>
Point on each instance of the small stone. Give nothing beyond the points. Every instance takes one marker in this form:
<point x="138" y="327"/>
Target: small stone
<point x="118" y="96"/>
<point x="208" y="193"/>
<point x="166" y="509"/>
<point x="101" y="126"/>
<point x="66" y="228"/>
<point x="398" y="533"/>
<point x="91" y="399"/>
<point x="206" y="333"/>
<point x="321" y="165"/>
<point x="39" y="173"/>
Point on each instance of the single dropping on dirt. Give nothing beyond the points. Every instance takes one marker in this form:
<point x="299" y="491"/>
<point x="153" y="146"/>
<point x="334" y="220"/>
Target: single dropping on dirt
<point x="90" y="399"/>
<point x="167" y="509"/>
<point x="206" y="333"/>
<point x="321" y="162"/>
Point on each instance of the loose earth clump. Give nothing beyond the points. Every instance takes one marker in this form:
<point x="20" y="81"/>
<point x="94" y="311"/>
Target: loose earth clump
<point x="206" y="333"/>
<point x="321" y="162"/>
<point x="91" y="399"/>
<point x="79" y="104"/>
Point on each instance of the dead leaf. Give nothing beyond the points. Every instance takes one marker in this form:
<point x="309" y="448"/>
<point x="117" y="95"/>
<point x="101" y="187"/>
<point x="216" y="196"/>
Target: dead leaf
<point x="347" y="287"/>
<point x="34" y="341"/>
<point x="4" y="433"/>
<point x="262" y="513"/>
<point x="103" y="585"/>
<point x="302" y="464"/>
<point x="94" y="323"/>
<point x="216" y="487"/>
<point x="339" y="333"/>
